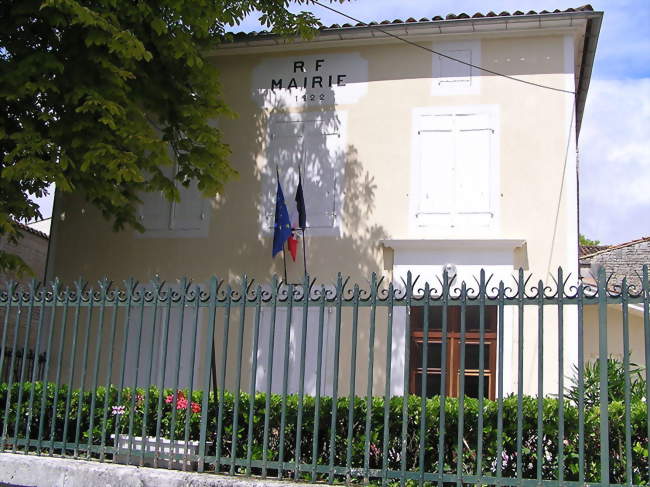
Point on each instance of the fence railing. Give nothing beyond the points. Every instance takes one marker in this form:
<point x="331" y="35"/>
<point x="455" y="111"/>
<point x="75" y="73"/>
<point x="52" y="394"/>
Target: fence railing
<point x="446" y="382"/>
<point x="32" y="361"/>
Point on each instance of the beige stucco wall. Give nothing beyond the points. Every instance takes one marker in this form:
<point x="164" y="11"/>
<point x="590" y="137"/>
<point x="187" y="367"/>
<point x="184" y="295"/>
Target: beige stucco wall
<point x="614" y="320"/>
<point x="537" y="198"/>
<point x="534" y="131"/>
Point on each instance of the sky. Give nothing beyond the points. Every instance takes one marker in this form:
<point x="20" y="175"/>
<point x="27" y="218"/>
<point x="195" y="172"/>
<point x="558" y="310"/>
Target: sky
<point x="614" y="142"/>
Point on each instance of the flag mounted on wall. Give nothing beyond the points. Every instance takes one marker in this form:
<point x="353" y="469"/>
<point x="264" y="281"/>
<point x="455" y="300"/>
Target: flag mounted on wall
<point x="282" y="227"/>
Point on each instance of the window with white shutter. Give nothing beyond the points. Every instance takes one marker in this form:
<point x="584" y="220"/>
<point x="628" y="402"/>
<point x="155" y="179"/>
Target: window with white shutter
<point x="165" y="219"/>
<point x="316" y="146"/>
<point x="455" y="170"/>
<point x="452" y="72"/>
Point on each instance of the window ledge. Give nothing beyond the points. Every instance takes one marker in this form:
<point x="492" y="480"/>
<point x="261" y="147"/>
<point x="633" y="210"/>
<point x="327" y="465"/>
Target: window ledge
<point x="432" y="244"/>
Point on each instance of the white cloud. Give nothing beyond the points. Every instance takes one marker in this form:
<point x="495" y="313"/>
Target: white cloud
<point x="615" y="161"/>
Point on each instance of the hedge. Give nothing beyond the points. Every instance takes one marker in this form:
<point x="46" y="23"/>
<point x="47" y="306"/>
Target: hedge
<point x="109" y="410"/>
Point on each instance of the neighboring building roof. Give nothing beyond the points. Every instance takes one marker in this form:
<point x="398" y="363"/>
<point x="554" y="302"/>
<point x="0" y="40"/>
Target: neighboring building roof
<point x="584" y="250"/>
<point x="609" y="248"/>
<point x="622" y="261"/>
<point x="27" y="228"/>
<point x="435" y="18"/>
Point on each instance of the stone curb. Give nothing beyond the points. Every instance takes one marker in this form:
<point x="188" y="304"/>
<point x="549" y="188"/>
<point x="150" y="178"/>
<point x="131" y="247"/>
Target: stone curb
<point x="34" y="471"/>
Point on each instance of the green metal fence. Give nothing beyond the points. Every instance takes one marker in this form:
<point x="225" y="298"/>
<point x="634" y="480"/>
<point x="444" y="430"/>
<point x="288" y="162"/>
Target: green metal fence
<point x="340" y="383"/>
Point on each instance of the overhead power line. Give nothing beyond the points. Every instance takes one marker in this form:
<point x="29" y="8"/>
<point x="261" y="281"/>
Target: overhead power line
<point x="415" y="44"/>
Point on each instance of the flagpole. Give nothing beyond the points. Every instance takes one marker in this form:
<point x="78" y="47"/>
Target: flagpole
<point x="304" y="250"/>
<point x="302" y="223"/>
<point x="284" y="260"/>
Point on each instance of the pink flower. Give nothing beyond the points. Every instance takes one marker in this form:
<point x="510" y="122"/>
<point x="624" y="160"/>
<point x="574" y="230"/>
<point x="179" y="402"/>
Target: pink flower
<point x="196" y="407"/>
<point x="180" y="399"/>
<point x="374" y="450"/>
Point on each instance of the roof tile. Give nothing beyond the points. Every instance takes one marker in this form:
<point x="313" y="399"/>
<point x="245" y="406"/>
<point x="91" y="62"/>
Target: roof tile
<point x="450" y="16"/>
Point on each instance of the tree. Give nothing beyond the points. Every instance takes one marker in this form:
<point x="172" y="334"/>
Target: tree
<point x="97" y="96"/>
<point x="585" y="241"/>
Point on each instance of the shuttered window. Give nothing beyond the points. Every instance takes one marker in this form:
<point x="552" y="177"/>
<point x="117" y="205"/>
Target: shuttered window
<point x="165" y="219"/>
<point x="316" y="147"/>
<point x="456" y="171"/>
<point x="453" y="72"/>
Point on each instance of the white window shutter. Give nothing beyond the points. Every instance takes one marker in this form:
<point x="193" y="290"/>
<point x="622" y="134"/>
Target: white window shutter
<point x="285" y="153"/>
<point x="473" y="169"/>
<point x="154" y="212"/>
<point x="436" y="170"/>
<point x="155" y="209"/>
<point x="189" y="212"/>
<point x="322" y="167"/>
<point x="452" y="71"/>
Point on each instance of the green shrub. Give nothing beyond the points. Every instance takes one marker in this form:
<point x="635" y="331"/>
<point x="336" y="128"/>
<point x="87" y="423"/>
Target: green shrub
<point x="616" y="378"/>
<point x="137" y="414"/>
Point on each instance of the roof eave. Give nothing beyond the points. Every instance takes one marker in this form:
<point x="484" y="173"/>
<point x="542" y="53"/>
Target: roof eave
<point x="586" y="66"/>
<point x="432" y="27"/>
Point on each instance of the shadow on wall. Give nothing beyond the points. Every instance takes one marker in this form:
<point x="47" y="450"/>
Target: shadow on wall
<point x="339" y="195"/>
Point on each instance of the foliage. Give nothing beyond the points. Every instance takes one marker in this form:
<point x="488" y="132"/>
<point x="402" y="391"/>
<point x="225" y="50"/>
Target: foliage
<point x="616" y="380"/>
<point x="585" y="241"/>
<point x="137" y="414"/>
<point x="100" y="97"/>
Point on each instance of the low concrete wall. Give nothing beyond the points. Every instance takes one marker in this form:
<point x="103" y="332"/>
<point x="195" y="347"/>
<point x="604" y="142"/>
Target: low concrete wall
<point x="32" y="471"/>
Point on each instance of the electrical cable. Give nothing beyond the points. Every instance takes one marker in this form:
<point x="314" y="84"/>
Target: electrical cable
<point x="383" y="31"/>
<point x="538" y="85"/>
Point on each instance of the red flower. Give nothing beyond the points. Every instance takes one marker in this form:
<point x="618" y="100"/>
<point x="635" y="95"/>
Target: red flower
<point x="196" y="407"/>
<point x="180" y="399"/>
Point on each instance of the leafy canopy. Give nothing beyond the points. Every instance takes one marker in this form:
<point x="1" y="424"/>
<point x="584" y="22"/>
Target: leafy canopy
<point x="97" y="96"/>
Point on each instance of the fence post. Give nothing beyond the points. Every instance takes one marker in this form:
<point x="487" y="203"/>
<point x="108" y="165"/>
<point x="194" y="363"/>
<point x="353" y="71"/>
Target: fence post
<point x="301" y="381"/>
<point x="285" y="379"/>
<point x="423" y="385"/>
<point x="269" y="375"/>
<point x="442" y="417"/>
<point x="405" y="395"/>
<point x="540" y="379"/>
<point x="240" y="344"/>
<point x="335" y="384"/>
<point x="371" y="362"/>
<point x="602" y="358"/>
<point x="207" y="359"/>
<point x="387" y="394"/>
<point x="103" y="289"/>
<point x="560" y="349"/>
<point x="57" y="381"/>
<point x="253" y="388"/>
<point x="646" y="327"/>
<point x="353" y="375"/>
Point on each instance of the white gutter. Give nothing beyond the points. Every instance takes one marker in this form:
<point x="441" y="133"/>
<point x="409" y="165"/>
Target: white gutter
<point x="434" y="27"/>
